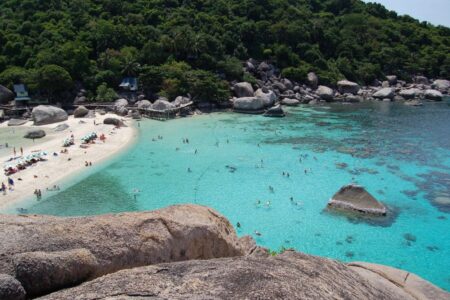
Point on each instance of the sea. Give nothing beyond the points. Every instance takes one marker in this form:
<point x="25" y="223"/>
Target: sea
<point x="272" y="178"/>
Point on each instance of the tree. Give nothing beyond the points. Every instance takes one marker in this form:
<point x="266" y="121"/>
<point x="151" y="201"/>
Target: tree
<point x="105" y="94"/>
<point x="52" y="80"/>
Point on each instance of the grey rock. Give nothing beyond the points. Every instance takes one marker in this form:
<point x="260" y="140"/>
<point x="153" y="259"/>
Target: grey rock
<point x="61" y="127"/>
<point x="442" y="85"/>
<point x="290" y="102"/>
<point x="46" y="114"/>
<point x="113" y="121"/>
<point x="79" y="100"/>
<point x="410" y="93"/>
<point x="287" y="83"/>
<point x="162" y="105"/>
<point x="354" y="198"/>
<point x="122" y="110"/>
<point x="43" y="272"/>
<point x="248" y="104"/>
<point x="384" y="93"/>
<point x="80" y="112"/>
<point x="421" y="80"/>
<point x="385" y="84"/>
<point x="264" y="67"/>
<point x="289" y="275"/>
<point x="120" y="103"/>
<point x="243" y="89"/>
<point x="434" y="95"/>
<point x="348" y="87"/>
<point x="144" y="104"/>
<point x="392" y="79"/>
<point x="276" y="111"/>
<point x="413" y="103"/>
<point x="325" y="93"/>
<point x="6" y="95"/>
<point x="398" y="98"/>
<point x="313" y="80"/>
<point x="352" y="98"/>
<point x="268" y="98"/>
<point x="35" y="134"/>
<point x="17" y="122"/>
<point x="180" y="100"/>
<point x="11" y="289"/>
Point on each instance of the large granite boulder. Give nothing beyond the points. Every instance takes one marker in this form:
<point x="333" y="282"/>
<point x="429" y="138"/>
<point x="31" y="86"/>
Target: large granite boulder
<point x="442" y="85"/>
<point x="434" y="95"/>
<point x="6" y="95"/>
<point x="325" y="93"/>
<point x="162" y="105"/>
<point x="46" y="114"/>
<point x="113" y="121"/>
<point x="313" y="80"/>
<point x="180" y="100"/>
<point x="116" y="242"/>
<point x="384" y="93"/>
<point x="289" y="275"/>
<point x="144" y="104"/>
<point x="392" y="79"/>
<point x="120" y="103"/>
<point x="11" y="289"/>
<point x="268" y="98"/>
<point x="243" y="89"/>
<point x="80" y="112"/>
<point x="34" y="134"/>
<point x="248" y="104"/>
<point x="276" y="111"/>
<point x="354" y="198"/>
<point x="421" y="80"/>
<point x="410" y="93"/>
<point x="348" y="87"/>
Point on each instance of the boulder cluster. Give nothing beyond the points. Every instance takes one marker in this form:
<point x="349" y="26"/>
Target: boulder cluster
<point x="271" y="89"/>
<point x="180" y="252"/>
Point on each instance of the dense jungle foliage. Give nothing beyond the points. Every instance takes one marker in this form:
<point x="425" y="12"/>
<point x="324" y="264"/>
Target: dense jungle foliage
<point x="191" y="46"/>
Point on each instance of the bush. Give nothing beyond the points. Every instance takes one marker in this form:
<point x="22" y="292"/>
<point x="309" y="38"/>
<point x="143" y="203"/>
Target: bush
<point x="105" y="94"/>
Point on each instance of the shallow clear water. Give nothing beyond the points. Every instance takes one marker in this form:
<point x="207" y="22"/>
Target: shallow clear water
<point x="400" y="154"/>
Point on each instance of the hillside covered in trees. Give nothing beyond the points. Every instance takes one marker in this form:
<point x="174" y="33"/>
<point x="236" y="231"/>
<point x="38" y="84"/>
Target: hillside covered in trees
<point x="191" y="46"/>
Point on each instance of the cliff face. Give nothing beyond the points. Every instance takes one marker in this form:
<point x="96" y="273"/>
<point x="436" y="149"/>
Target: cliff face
<point x="179" y="252"/>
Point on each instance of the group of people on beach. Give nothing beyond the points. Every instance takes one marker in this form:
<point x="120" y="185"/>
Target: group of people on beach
<point x="10" y="186"/>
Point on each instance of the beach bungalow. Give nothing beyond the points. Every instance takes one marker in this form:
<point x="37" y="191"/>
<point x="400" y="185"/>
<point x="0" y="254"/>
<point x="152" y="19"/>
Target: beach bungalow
<point x="128" y="88"/>
<point x="22" y="97"/>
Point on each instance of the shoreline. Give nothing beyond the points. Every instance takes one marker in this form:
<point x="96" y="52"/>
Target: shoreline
<point x="58" y="170"/>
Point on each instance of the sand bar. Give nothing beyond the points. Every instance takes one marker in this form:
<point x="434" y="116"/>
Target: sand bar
<point x="46" y="174"/>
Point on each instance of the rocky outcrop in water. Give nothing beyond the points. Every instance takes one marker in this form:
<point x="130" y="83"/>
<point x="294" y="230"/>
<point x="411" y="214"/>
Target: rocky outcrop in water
<point x="354" y="198"/>
<point x="276" y="111"/>
<point x="181" y="252"/>
<point x="249" y="104"/>
<point x="47" y="114"/>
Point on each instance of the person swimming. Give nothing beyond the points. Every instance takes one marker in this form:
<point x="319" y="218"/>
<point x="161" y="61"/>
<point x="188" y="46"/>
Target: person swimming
<point x="258" y="233"/>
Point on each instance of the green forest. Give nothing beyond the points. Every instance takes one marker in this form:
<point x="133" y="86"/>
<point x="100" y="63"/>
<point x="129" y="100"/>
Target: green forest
<point x="195" y="46"/>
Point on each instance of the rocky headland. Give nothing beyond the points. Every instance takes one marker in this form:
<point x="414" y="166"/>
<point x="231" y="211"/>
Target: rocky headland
<point x="180" y="252"/>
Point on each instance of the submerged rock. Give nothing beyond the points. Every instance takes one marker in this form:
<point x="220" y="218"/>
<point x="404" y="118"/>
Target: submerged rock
<point x="17" y="122"/>
<point x="276" y="111"/>
<point x="355" y="198"/>
<point x="35" y="134"/>
<point x="413" y="103"/>
<point x="47" y="114"/>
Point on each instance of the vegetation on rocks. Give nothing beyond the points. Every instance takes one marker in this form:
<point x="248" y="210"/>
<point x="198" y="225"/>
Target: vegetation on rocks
<point x="192" y="46"/>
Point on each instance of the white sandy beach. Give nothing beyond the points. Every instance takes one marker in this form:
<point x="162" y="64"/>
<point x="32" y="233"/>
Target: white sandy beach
<point x="52" y="172"/>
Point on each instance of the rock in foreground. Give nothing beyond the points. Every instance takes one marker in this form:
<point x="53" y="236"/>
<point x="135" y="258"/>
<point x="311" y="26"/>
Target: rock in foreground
<point x="40" y="248"/>
<point x="355" y="198"/>
<point x="290" y="275"/>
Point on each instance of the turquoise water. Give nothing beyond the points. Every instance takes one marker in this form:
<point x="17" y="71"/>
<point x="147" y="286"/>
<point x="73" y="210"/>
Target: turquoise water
<point x="400" y="154"/>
